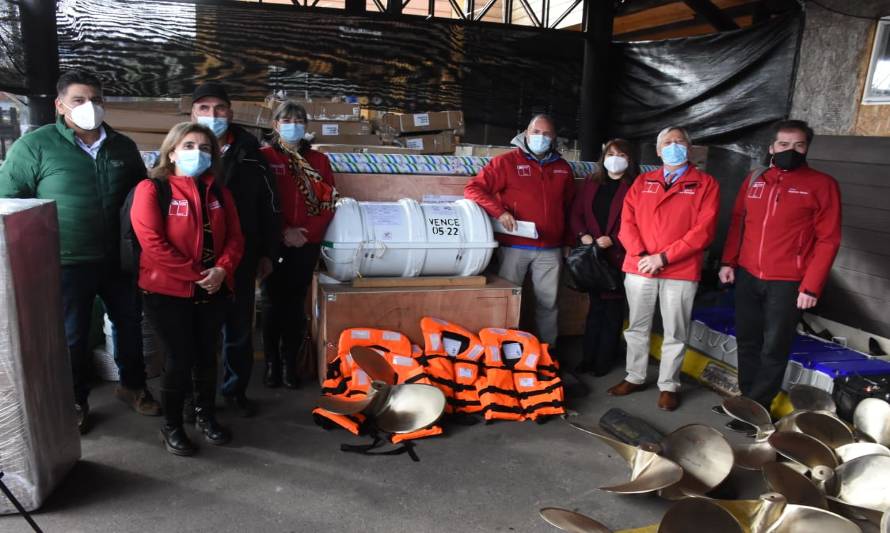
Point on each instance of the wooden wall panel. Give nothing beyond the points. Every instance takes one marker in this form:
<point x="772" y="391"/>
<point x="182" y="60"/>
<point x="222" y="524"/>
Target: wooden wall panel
<point x="858" y="292"/>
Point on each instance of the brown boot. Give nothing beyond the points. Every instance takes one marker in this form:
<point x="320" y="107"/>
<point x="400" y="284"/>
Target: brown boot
<point x="624" y="388"/>
<point x="140" y="400"/>
<point x="668" y="401"/>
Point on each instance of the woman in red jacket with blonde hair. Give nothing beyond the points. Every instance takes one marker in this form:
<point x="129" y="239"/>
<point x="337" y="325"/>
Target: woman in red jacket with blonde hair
<point x="190" y="250"/>
<point x="306" y="193"/>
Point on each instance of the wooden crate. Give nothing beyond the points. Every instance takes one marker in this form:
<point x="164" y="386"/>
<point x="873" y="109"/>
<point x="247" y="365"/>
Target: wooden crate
<point x="336" y="307"/>
<point x="393" y="187"/>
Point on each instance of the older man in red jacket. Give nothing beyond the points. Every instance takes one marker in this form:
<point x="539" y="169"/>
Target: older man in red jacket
<point x="783" y="237"/>
<point x="668" y="220"/>
<point x="533" y="183"/>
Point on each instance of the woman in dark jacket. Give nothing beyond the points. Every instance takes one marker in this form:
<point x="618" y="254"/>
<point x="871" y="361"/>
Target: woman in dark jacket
<point x="190" y="249"/>
<point x="306" y="193"/>
<point x="596" y="217"/>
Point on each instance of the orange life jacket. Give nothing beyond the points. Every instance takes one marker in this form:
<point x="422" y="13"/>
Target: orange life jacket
<point x="521" y="380"/>
<point x="452" y="358"/>
<point x="345" y="378"/>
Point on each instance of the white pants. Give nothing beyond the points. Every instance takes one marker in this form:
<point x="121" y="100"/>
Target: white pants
<point x="545" y="266"/>
<point x="675" y="298"/>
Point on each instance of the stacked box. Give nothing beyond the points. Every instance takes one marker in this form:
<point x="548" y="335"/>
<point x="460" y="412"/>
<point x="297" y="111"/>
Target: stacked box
<point x="39" y="441"/>
<point x="431" y="132"/>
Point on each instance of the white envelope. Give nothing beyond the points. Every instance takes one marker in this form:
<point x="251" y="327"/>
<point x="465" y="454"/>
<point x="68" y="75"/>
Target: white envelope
<point x="523" y="228"/>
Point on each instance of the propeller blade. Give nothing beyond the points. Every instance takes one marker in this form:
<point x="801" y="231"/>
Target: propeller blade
<point x="854" y="512"/>
<point x="698" y="514"/>
<point x="750" y="412"/>
<point x="803" y="449"/>
<point x="848" y="452"/>
<point x="797" y="518"/>
<point x="375" y="365"/>
<point x="806" y="398"/>
<point x="343" y="406"/>
<point x="628" y="452"/>
<point x="571" y="521"/>
<point x="660" y="474"/>
<point x="410" y="407"/>
<point x="754" y="455"/>
<point x="827" y="429"/>
<point x="796" y="488"/>
<point x="705" y="456"/>
<point x="863" y="482"/>
<point x="872" y="417"/>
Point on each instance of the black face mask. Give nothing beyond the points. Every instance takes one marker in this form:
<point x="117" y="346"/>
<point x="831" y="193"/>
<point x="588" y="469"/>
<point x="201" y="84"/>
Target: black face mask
<point x="789" y="159"/>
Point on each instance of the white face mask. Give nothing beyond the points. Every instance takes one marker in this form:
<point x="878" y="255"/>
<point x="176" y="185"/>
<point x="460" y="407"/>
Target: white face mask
<point x="87" y="116"/>
<point x="615" y="164"/>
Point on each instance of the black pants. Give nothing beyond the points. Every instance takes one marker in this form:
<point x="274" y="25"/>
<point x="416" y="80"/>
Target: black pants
<point x="602" y="334"/>
<point x="237" y="353"/>
<point x="80" y="285"/>
<point x="766" y="317"/>
<point x="190" y="334"/>
<point x="284" y="301"/>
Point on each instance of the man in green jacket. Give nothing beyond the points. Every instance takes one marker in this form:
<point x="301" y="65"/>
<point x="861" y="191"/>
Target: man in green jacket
<point x="88" y="169"/>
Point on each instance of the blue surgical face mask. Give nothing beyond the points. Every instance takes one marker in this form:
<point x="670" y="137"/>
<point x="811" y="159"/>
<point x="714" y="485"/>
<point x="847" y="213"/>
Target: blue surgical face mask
<point x="674" y="154"/>
<point x="291" y="132"/>
<point x="539" y="144"/>
<point x="193" y="162"/>
<point x="218" y="125"/>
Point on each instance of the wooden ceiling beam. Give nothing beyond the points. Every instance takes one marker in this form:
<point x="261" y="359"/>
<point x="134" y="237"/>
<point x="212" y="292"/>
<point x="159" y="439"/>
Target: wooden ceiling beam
<point x="712" y="14"/>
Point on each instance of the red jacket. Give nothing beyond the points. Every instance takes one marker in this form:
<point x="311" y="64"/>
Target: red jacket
<point x="678" y="222"/>
<point x="787" y="226"/>
<point x="293" y="204"/>
<point x="538" y="192"/>
<point x="583" y="221"/>
<point x="171" y="245"/>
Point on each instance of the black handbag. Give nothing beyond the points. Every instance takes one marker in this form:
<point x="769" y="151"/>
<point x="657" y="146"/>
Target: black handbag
<point x="590" y="271"/>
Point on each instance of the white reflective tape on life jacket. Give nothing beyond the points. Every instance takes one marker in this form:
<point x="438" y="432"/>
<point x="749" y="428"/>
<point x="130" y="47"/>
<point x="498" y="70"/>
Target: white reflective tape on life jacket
<point x="499" y="331"/>
<point x="495" y="353"/>
<point x="361" y="378"/>
<point x="349" y="360"/>
<point x="512" y="350"/>
<point x="523" y="334"/>
<point x="452" y="346"/>
<point x="440" y="321"/>
<point x="475" y="352"/>
<point x="531" y="360"/>
<point x="360" y="334"/>
<point x="401" y="360"/>
<point x="435" y="340"/>
<point x="464" y="372"/>
<point x="392" y="336"/>
<point x="526" y="382"/>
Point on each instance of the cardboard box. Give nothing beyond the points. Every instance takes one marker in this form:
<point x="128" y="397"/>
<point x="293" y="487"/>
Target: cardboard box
<point x="437" y="143"/>
<point x="480" y="150"/>
<point x="419" y="122"/>
<point x="336" y="307"/>
<point x="39" y="441"/>
<point x="134" y="120"/>
<point x="333" y="129"/>
<point x="394" y="187"/>
<point x="146" y="142"/>
<point x="169" y="106"/>
<point x="363" y="140"/>
<point x="245" y="113"/>
<point x="320" y="110"/>
<point x="362" y="149"/>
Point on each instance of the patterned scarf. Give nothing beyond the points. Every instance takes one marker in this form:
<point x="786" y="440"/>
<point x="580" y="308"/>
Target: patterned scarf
<point x="319" y="195"/>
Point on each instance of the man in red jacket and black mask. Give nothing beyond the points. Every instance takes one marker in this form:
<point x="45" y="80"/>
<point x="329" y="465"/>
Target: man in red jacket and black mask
<point x="532" y="183"/>
<point x="783" y="237"/>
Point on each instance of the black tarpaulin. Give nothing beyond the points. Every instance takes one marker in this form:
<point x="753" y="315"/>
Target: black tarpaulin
<point x="720" y="87"/>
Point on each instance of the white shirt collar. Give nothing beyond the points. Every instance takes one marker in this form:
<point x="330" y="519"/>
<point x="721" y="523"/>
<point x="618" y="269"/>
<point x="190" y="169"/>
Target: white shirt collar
<point x="93" y="149"/>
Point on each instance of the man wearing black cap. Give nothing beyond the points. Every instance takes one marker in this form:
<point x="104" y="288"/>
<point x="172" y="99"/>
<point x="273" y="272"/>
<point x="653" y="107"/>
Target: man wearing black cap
<point x="245" y="174"/>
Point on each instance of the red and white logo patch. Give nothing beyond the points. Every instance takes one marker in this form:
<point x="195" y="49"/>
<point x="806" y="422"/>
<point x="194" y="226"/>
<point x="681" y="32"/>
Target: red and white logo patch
<point x="756" y="190"/>
<point x="651" y="187"/>
<point x="524" y="170"/>
<point x="214" y="205"/>
<point x="178" y="208"/>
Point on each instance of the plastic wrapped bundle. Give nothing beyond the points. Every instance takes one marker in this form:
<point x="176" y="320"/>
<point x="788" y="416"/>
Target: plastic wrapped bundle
<point x="39" y="441"/>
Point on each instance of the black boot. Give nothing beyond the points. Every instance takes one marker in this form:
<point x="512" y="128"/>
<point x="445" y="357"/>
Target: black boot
<point x="289" y="371"/>
<point x="272" y="377"/>
<point x="177" y="441"/>
<point x="188" y="409"/>
<point x="214" y="433"/>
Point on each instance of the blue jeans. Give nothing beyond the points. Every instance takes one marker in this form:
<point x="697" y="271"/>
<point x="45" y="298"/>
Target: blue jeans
<point x="80" y="286"/>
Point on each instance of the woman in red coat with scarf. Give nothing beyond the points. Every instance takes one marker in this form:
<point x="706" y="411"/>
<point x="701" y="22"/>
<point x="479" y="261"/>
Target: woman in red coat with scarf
<point x="596" y="217"/>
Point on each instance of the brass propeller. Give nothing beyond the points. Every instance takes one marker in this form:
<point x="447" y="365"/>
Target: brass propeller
<point x="796" y="487"/>
<point x="806" y="398"/>
<point x="872" y="417"/>
<point x="704" y="455"/>
<point x="375" y="365"/>
<point x="571" y="521"/>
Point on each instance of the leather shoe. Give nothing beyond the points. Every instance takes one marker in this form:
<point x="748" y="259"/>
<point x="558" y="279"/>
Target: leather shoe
<point x="82" y="414"/>
<point x="188" y="409"/>
<point x="272" y="377"/>
<point x="668" y="401"/>
<point x="289" y="378"/>
<point x="214" y="433"/>
<point x="177" y="441"/>
<point x="624" y="388"/>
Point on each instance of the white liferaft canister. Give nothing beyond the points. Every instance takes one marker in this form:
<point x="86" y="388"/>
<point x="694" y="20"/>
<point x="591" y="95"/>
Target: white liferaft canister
<point x="407" y="239"/>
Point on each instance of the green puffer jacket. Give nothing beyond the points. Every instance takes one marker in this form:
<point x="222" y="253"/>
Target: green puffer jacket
<point x="47" y="163"/>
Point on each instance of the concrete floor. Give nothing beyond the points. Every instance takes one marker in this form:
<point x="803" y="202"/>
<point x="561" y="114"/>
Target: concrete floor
<point x="283" y="473"/>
